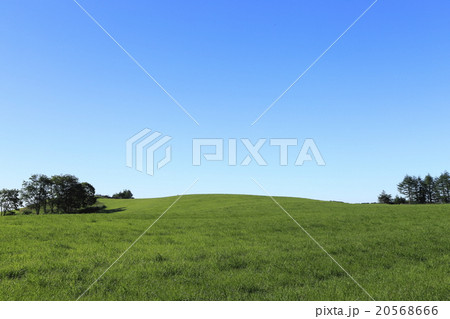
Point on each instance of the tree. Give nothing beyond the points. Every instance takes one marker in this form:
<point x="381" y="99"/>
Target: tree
<point x="60" y="193"/>
<point x="2" y="201"/>
<point x="52" y="194"/>
<point x="88" y="197"/>
<point x="384" y="198"/>
<point x="125" y="194"/>
<point x="419" y="192"/>
<point x="68" y="193"/>
<point x="442" y="187"/>
<point x="45" y="184"/>
<point x="429" y="189"/>
<point x="407" y="187"/>
<point x="9" y="200"/>
<point x="425" y="191"/>
<point x="35" y="192"/>
<point x="399" y="200"/>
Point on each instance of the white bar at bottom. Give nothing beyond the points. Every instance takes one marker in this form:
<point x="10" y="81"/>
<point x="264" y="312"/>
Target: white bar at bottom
<point x="226" y="310"/>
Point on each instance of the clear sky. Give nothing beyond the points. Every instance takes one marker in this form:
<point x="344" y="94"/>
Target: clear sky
<point x="376" y="104"/>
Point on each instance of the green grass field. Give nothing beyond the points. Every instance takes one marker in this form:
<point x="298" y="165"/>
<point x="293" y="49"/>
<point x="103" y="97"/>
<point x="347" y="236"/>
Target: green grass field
<point x="229" y="247"/>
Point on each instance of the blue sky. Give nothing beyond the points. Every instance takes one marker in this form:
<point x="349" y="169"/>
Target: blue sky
<point x="377" y="104"/>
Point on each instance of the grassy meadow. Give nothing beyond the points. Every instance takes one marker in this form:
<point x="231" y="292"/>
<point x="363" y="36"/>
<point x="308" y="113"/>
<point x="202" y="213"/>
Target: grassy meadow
<point x="229" y="247"/>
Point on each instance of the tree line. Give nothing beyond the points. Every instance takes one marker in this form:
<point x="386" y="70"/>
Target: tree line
<point x="55" y="194"/>
<point x="125" y="194"/>
<point x="417" y="190"/>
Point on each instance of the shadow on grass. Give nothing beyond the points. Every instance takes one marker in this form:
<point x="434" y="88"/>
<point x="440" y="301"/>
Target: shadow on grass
<point x="98" y="210"/>
<point x="110" y="211"/>
<point x="88" y="210"/>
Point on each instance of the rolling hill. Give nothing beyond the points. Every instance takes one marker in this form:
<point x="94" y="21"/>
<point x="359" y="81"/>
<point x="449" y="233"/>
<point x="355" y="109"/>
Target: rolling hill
<point x="229" y="247"/>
